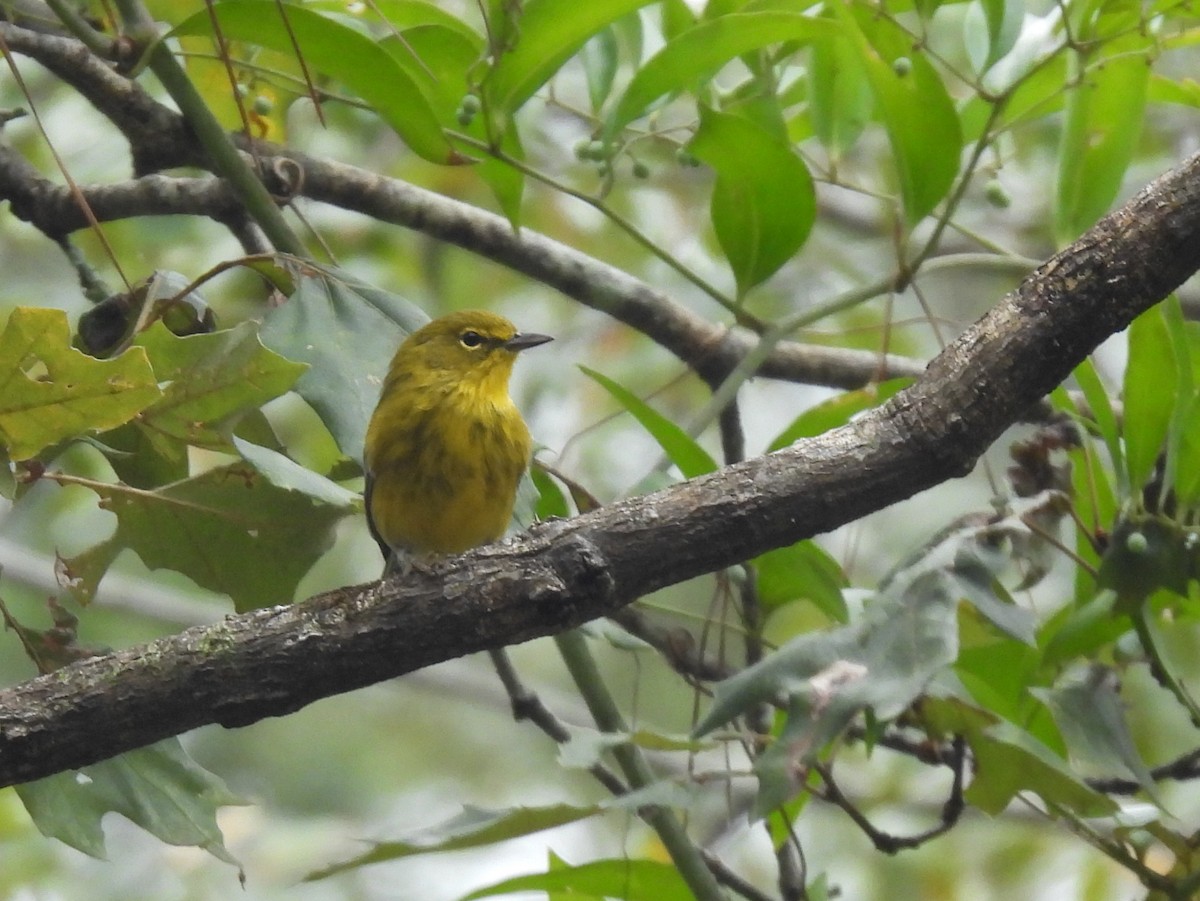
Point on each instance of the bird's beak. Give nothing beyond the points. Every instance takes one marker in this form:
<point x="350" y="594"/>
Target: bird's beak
<point x="521" y="341"/>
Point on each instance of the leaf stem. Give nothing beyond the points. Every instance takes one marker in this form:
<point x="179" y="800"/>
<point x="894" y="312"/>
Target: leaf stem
<point x="1158" y="668"/>
<point x="686" y="856"/>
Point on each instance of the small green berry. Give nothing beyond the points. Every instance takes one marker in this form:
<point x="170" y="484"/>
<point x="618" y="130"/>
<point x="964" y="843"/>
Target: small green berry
<point x="902" y="65"/>
<point x="1136" y="543"/>
<point x="263" y="105"/>
<point x="996" y="194"/>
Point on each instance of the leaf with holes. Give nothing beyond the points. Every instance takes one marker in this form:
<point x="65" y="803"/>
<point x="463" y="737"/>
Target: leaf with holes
<point x="49" y="391"/>
<point x="157" y="787"/>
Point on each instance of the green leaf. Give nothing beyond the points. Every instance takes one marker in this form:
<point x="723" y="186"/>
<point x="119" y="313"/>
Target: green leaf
<point x="8" y="481"/>
<point x="1187" y="467"/>
<point x="401" y="15"/>
<point x="977" y="555"/>
<point x="551" y="500"/>
<point x="329" y="312"/>
<point x="894" y="648"/>
<point x="210" y="381"/>
<point x="157" y="787"/>
<point x="997" y="674"/>
<point x="632" y="880"/>
<point x="802" y="572"/>
<point x="1008" y="761"/>
<point x="142" y="460"/>
<point x="473" y="828"/>
<point x="1098" y="401"/>
<point x="917" y="112"/>
<point x="1181" y="338"/>
<point x="587" y="747"/>
<point x="600" y="66"/>
<point x="840" y="92"/>
<point x="837" y="411"/>
<point x="49" y="391"/>
<point x="1104" y="122"/>
<point x="680" y="447"/>
<point x="1035" y="93"/>
<point x="698" y="53"/>
<point x="883" y="662"/>
<point x="1091" y="717"/>
<point x="445" y="59"/>
<point x="1151" y="385"/>
<point x="1164" y="89"/>
<point x="990" y="31"/>
<point x="539" y="41"/>
<point x="229" y="530"/>
<point x="926" y="8"/>
<point x="289" y="475"/>
<point x="978" y="567"/>
<point x="1079" y="631"/>
<point x="401" y="98"/>
<point x="763" y="204"/>
<point x="616" y="636"/>
<point x="677" y="17"/>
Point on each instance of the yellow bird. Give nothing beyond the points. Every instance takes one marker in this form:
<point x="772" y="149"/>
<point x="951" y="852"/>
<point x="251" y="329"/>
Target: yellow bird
<point x="446" y="445"/>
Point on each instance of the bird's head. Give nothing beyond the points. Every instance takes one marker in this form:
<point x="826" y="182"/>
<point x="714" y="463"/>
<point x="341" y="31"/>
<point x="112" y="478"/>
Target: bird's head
<point x="469" y="346"/>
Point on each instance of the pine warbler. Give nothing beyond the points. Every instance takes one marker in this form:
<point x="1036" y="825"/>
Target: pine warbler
<point x="446" y="446"/>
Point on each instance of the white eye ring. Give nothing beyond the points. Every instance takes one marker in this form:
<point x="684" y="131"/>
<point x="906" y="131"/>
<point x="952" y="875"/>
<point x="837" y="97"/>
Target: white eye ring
<point x="470" y="339"/>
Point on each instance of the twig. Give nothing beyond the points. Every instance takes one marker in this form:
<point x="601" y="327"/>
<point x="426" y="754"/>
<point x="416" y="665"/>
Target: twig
<point x="886" y="842"/>
<point x="526" y="705"/>
<point x="686" y="855"/>
<point x="732" y="880"/>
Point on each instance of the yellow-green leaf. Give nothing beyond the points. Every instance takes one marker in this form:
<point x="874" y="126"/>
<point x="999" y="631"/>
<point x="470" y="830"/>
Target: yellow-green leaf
<point x="210" y="380"/>
<point x="541" y="36"/>
<point x="918" y="114"/>
<point x="763" y="205"/>
<point x="49" y="391"/>
<point x="1104" y="120"/>
<point x="699" y="52"/>
<point x="344" y="53"/>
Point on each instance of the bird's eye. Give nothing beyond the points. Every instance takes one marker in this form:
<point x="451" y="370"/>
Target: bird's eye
<point x="471" y="339"/>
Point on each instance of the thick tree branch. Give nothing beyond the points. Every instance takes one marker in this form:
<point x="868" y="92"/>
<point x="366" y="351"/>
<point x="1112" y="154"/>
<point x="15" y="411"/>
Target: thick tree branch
<point x="54" y="210"/>
<point x="561" y="574"/>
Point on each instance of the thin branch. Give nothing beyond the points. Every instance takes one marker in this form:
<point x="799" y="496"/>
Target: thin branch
<point x="54" y="211"/>
<point x="732" y="880"/>
<point x="952" y="809"/>
<point x="684" y="853"/>
<point x="677" y="646"/>
<point x="1181" y="769"/>
<point x="526" y="705"/>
